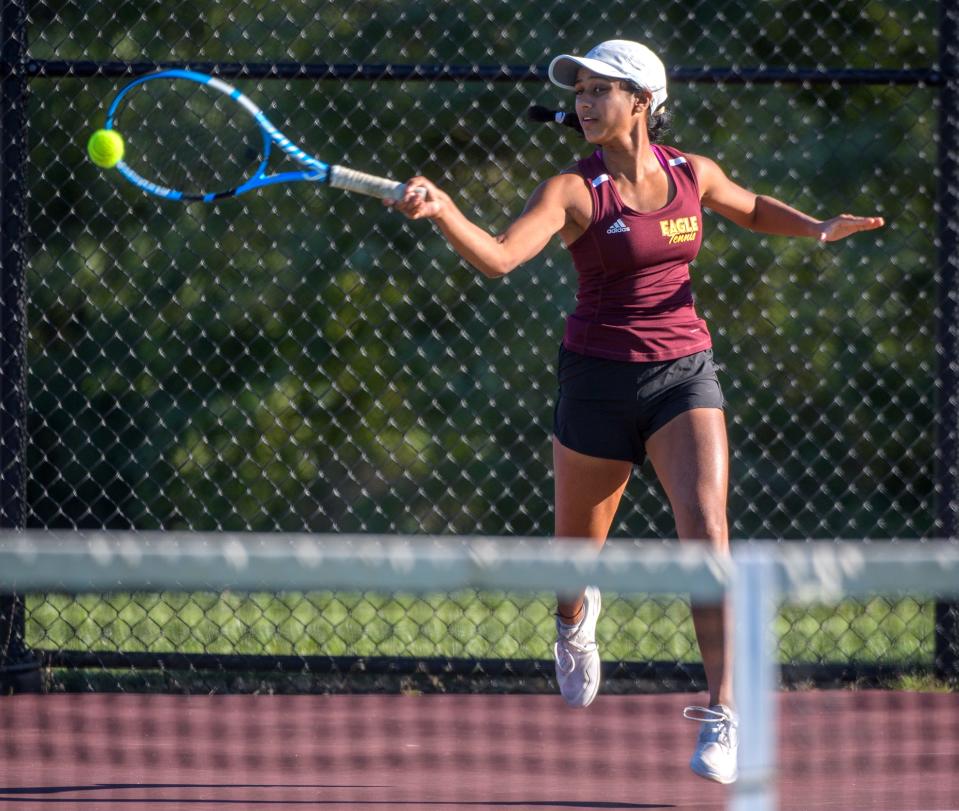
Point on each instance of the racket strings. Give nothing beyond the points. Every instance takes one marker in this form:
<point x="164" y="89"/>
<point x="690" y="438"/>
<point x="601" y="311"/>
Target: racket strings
<point x="189" y="137"/>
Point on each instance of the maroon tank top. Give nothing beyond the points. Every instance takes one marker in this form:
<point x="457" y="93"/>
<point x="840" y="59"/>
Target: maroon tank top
<point x="635" y="299"/>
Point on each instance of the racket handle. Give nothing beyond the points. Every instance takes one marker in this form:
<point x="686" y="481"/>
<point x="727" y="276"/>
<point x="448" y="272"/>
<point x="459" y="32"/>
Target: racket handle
<point x="362" y="183"/>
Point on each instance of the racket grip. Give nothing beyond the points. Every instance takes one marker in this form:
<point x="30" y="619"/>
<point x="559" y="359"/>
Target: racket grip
<point x="362" y="183"/>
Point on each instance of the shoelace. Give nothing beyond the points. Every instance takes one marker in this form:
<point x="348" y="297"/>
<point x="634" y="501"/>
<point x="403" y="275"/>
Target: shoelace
<point x="568" y="642"/>
<point x="716" y="724"/>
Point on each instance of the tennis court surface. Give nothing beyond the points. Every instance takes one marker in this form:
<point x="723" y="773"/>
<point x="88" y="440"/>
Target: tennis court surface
<point x="103" y="737"/>
<point x="839" y="750"/>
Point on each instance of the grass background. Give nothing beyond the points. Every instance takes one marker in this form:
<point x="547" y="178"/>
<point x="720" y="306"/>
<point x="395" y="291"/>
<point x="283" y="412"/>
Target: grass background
<point x="465" y="624"/>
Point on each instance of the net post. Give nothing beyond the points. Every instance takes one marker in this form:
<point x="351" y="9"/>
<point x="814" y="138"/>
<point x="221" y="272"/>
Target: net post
<point x="19" y="670"/>
<point x="754" y="599"/>
<point x="947" y="345"/>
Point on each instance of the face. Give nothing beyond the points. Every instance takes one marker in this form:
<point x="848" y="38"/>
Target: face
<point x="604" y="106"/>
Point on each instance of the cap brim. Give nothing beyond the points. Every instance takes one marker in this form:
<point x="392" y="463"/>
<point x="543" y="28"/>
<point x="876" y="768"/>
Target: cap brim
<point x="563" y="70"/>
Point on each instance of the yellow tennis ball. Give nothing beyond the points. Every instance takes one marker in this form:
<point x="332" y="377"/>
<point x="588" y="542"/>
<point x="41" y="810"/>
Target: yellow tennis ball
<point x="105" y="148"/>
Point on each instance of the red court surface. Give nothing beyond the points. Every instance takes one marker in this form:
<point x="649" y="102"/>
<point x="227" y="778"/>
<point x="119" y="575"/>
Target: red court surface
<point x="844" y="750"/>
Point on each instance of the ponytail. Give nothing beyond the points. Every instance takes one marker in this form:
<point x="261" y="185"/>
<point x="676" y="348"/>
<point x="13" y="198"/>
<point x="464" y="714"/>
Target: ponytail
<point x="659" y="124"/>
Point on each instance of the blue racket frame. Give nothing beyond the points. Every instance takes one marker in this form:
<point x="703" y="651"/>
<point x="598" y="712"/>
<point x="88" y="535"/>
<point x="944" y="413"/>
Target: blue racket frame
<point x="316" y="171"/>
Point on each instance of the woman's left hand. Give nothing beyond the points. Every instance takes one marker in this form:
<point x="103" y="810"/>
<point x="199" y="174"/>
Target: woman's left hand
<point x="846" y="225"/>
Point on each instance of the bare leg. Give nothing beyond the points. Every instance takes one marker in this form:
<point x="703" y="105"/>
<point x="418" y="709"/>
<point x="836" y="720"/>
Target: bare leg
<point x="587" y="492"/>
<point x="691" y="459"/>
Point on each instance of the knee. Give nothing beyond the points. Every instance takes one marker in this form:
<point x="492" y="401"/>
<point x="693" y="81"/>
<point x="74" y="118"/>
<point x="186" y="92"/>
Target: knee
<point x="701" y="519"/>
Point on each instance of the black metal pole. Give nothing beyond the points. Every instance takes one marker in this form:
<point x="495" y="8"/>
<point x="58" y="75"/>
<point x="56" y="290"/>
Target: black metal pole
<point x="947" y="473"/>
<point x="320" y="71"/>
<point x="19" y="670"/>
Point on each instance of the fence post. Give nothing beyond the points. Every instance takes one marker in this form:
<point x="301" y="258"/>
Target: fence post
<point x="947" y="349"/>
<point x="19" y="670"/>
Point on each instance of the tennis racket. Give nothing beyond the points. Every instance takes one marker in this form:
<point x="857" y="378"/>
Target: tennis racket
<point x="189" y="136"/>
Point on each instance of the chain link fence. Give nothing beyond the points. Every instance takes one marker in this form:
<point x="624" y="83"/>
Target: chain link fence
<point x="304" y="360"/>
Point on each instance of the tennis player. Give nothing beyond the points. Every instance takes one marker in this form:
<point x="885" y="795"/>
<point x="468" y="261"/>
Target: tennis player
<point x="635" y="369"/>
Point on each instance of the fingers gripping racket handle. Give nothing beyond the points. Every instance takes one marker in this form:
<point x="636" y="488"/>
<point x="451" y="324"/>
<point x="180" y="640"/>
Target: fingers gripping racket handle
<point x="351" y="180"/>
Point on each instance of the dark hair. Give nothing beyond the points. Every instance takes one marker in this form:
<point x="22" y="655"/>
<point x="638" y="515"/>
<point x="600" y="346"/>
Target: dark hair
<point x="659" y="121"/>
<point x="659" y="124"/>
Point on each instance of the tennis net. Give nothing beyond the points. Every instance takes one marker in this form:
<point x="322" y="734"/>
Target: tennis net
<point x="361" y="731"/>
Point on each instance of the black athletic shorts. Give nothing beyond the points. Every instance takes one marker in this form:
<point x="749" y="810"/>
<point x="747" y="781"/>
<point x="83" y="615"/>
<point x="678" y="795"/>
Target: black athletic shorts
<point x="609" y="408"/>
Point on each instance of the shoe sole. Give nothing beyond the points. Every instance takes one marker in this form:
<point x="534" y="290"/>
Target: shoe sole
<point x="713" y="777"/>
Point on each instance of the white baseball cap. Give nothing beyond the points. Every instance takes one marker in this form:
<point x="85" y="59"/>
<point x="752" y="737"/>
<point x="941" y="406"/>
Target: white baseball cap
<point x="615" y="59"/>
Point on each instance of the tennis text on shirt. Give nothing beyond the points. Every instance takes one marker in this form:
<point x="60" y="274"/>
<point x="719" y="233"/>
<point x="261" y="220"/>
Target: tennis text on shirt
<point x="634" y="298"/>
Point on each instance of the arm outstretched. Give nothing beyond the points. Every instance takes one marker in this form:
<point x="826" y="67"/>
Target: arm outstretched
<point x="767" y="215"/>
<point x="494" y="256"/>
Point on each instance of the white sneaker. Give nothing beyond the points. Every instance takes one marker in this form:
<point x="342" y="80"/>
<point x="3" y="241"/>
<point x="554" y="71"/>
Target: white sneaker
<point x="718" y="743"/>
<point x="577" y="657"/>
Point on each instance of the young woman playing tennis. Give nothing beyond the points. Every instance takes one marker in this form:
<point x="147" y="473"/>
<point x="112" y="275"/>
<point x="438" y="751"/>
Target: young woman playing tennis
<point x="636" y="376"/>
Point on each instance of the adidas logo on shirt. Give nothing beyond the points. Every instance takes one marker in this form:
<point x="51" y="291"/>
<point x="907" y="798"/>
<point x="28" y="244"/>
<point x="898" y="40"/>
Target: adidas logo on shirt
<point x="618" y="227"/>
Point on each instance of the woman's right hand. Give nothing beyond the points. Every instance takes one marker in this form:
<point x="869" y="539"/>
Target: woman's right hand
<point x="423" y="199"/>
